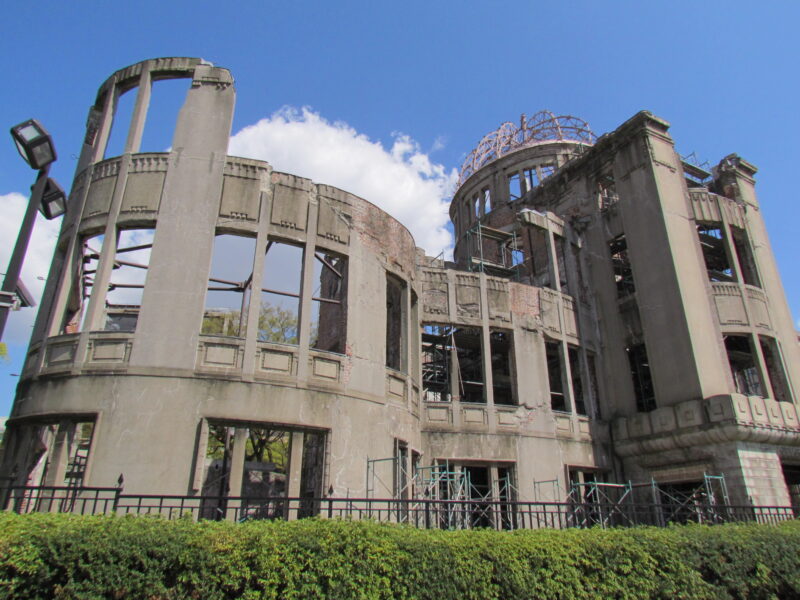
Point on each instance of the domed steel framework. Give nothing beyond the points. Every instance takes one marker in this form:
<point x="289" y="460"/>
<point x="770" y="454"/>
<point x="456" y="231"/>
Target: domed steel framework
<point x="544" y="126"/>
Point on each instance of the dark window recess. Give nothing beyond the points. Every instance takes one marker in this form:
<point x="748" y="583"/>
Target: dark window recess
<point x="480" y="494"/>
<point x="791" y="474"/>
<point x="394" y="323"/>
<point x="469" y="354"/>
<point x="607" y="189"/>
<point x="502" y="379"/>
<point x="557" y="399"/>
<point x="621" y="263"/>
<point x="642" y="380"/>
<point x="400" y="470"/>
<point x="743" y="365"/>
<point x="775" y="371"/>
<point x="715" y="253"/>
<point x="591" y="361"/>
<point x="561" y="262"/>
<point x="437" y="349"/>
<point x="744" y="251"/>
<point x="540" y="258"/>
<point x="578" y="396"/>
<point x="328" y="306"/>
<point x="311" y="475"/>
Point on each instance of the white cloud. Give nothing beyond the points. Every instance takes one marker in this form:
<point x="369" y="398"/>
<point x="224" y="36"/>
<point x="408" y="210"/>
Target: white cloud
<point x="37" y="260"/>
<point x="402" y="180"/>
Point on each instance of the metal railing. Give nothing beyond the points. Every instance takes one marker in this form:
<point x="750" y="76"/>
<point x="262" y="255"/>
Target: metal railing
<point x="421" y="513"/>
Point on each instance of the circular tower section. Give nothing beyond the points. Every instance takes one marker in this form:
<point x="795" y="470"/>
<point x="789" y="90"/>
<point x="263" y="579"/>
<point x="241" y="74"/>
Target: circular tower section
<point x="498" y="178"/>
<point x="205" y="329"/>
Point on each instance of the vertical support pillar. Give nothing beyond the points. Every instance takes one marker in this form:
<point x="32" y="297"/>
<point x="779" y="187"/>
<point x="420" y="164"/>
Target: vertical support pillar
<point x="486" y="355"/>
<point x="237" y="471"/>
<point x="295" y="471"/>
<point x="254" y="310"/>
<point x="134" y="140"/>
<point x="307" y="289"/>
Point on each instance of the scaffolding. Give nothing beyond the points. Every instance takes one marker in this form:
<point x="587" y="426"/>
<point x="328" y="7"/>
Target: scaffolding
<point x="493" y="251"/>
<point x="613" y="504"/>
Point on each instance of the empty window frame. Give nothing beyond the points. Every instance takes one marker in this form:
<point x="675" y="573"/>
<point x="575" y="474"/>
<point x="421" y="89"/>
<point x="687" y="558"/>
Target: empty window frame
<point x="540" y="258"/>
<point x="279" y="312"/>
<point x="126" y="287"/>
<point x="531" y="178"/>
<point x="469" y="354"/>
<point x="747" y="261"/>
<point x="514" y="187"/>
<point x="607" y="191"/>
<point x="742" y="361"/>
<point x="167" y="96"/>
<point x="487" y="201"/>
<point x="715" y="252"/>
<point x="329" y="303"/>
<point x="558" y="400"/>
<point x="229" y="286"/>
<point x="561" y="262"/>
<point x="643" y="389"/>
<point x="546" y="171"/>
<point x="621" y="264"/>
<point x="775" y="371"/>
<point x="437" y="353"/>
<point x="476" y="204"/>
<point x="82" y="284"/>
<point x="501" y="348"/>
<point x="591" y="363"/>
<point x="395" y="323"/>
<point x="578" y="393"/>
<point x="120" y="125"/>
<point x="35" y="448"/>
<point x="264" y="465"/>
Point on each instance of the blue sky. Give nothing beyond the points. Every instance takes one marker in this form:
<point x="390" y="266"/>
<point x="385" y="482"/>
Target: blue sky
<point x="413" y="86"/>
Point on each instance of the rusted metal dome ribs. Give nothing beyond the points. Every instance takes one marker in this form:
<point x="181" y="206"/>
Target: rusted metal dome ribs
<point x="544" y="126"/>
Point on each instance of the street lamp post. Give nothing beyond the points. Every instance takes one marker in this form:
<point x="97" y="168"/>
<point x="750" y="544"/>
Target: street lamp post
<point x="36" y="148"/>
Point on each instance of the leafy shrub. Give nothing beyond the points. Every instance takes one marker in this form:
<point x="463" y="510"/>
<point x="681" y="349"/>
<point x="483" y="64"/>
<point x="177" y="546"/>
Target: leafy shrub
<point x="72" y="557"/>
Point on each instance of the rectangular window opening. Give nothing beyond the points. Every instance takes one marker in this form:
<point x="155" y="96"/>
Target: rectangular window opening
<point x="469" y="354"/>
<point x="329" y="303"/>
<point x="279" y="312"/>
<point x="747" y="261"/>
<point x="540" y="258"/>
<point x="621" y="263"/>
<point x="229" y="286"/>
<point x="501" y="348"/>
<point x="437" y="352"/>
<point x="167" y="97"/>
<point x="643" y="389"/>
<point x="121" y="123"/>
<point x="561" y="261"/>
<point x="395" y="323"/>
<point x="531" y="177"/>
<point x="487" y="201"/>
<point x="82" y="284"/>
<point x="741" y="359"/>
<point x="715" y="253"/>
<point x="775" y="370"/>
<point x="558" y="400"/>
<point x="514" y="187"/>
<point x="578" y="396"/>
<point x="126" y="287"/>
<point x="607" y="191"/>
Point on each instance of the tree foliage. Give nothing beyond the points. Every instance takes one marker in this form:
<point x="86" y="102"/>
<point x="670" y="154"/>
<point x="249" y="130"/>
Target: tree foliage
<point x="275" y="324"/>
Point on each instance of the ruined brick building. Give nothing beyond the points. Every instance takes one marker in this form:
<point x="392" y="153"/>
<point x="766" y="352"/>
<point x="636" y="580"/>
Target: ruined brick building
<point x="212" y="326"/>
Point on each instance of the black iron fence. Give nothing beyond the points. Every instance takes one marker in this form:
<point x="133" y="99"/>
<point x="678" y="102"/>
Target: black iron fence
<point x="423" y="513"/>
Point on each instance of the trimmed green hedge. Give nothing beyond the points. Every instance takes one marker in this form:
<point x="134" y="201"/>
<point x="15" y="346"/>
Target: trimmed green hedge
<point x="65" y="556"/>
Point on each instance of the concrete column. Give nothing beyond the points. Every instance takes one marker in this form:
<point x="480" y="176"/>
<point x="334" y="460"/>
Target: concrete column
<point x="307" y="290"/>
<point x="237" y="470"/>
<point x="486" y="355"/>
<point x="254" y="310"/>
<point x="103" y="133"/>
<point x="295" y="470"/>
<point x="134" y="140"/>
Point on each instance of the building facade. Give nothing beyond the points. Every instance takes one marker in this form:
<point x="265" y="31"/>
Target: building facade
<point x="213" y="327"/>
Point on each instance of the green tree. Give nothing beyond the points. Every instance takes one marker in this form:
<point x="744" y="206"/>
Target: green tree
<point x="275" y="324"/>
